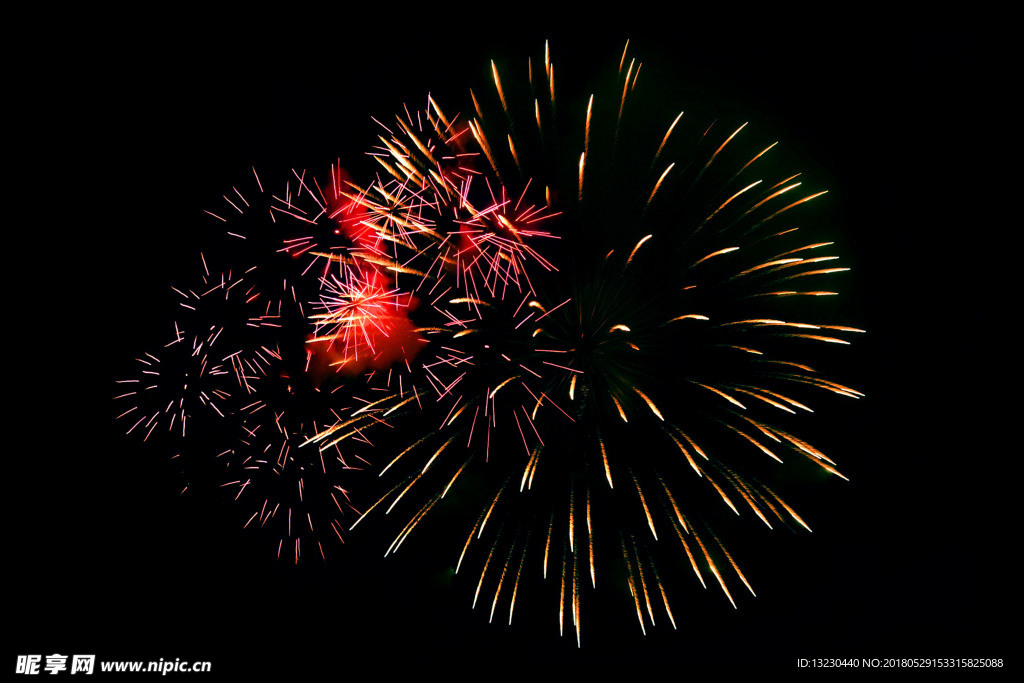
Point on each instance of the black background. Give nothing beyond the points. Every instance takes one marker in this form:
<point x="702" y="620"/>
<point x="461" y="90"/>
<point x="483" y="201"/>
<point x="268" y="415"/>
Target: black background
<point x="134" y="130"/>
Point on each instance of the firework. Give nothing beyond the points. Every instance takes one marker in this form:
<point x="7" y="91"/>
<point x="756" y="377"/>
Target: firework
<point x="209" y="358"/>
<point x="242" y="381"/>
<point x="607" y="410"/>
<point x="595" y="327"/>
<point x="298" y="493"/>
<point x="441" y="262"/>
<point x="461" y="226"/>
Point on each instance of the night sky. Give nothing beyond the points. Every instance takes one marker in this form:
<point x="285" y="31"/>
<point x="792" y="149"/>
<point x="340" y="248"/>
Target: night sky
<point x="138" y="131"/>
